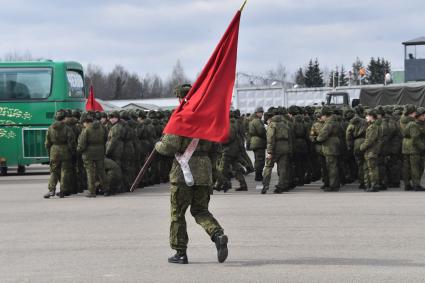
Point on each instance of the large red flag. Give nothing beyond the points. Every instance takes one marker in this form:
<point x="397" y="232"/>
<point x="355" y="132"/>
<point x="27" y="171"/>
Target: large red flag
<point x="91" y="103"/>
<point x="204" y="113"/>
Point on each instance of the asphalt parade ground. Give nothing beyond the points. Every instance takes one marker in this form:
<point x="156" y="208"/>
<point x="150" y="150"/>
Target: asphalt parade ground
<point x="303" y="236"/>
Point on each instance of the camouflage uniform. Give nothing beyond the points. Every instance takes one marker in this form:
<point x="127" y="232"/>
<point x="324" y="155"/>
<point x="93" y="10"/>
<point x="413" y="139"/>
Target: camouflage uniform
<point x="329" y="137"/>
<point x="394" y="157"/>
<point x="371" y="147"/>
<point x="91" y="144"/>
<point x="113" y="176"/>
<point x="243" y="159"/>
<point x="404" y="121"/>
<point x="279" y="146"/>
<point x="60" y="145"/>
<point x="258" y="144"/>
<point x="318" y="161"/>
<point x="413" y="150"/>
<point x="230" y="160"/>
<point x="355" y="135"/>
<point x="300" y="149"/>
<point x="115" y="141"/>
<point x="183" y="196"/>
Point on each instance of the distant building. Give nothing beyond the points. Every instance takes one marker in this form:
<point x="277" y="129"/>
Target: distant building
<point x="414" y="59"/>
<point x="147" y="104"/>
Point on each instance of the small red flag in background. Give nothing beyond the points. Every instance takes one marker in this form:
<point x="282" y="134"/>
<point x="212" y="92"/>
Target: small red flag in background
<point x="92" y="104"/>
<point x="204" y="114"/>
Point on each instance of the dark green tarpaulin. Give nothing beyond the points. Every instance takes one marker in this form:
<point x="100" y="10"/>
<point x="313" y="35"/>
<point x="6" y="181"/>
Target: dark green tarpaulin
<point x="392" y="95"/>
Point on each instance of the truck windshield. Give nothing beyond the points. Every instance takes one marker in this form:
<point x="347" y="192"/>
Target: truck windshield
<point x="25" y="83"/>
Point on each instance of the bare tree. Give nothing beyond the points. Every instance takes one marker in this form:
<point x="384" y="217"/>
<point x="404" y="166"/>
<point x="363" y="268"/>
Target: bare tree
<point x="16" y="56"/>
<point x="177" y="77"/>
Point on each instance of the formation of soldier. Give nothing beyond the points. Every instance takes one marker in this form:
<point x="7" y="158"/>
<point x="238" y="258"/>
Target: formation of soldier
<point x="339" y="146"/>
<point x="102" y="153"/>
<point x="378" y="147"/>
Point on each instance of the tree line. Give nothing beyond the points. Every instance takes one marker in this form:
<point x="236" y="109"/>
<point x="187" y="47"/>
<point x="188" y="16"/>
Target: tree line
<point x="120" y="83"/>
<point x="313" y="76"/>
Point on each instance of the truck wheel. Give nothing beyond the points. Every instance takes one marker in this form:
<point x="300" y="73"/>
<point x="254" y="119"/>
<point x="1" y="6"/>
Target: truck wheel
<point x="21" y="169"/>
<point x="3" y="170"/>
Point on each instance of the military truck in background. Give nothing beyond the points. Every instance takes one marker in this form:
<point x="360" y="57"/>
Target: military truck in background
<point x="248" y="98"/>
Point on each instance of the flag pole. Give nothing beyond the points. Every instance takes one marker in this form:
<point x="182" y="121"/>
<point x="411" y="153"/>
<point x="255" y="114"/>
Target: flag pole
<point x="243" y="6"/>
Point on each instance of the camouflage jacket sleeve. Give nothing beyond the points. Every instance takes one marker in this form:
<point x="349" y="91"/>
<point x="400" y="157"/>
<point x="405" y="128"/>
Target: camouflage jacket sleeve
<point x="271" y="138"/>
<point x="324" y="133"/>
<point x="82" y="141"/>
<point x="349" y="137"/>
<point x="372" y="136"/>
<point x="71" y="140"/>
<point x="48" y="141"/>
<point x="169" y="145"/>
<point x="416" y="133"/>
<point x="114" y="138"/>
<point x="313" y="133"/>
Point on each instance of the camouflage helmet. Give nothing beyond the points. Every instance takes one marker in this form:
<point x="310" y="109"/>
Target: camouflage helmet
<point x="125" y="115"/>
<point x="86" y="118"/>
<point x="76" y="113"/>
<point x="259" y="110"/>
<point x="114" y="114"/>
<point x="182" y="90"/>
<point x="103" y="115"/>
<point x="293" y="110"/>
<point x="349" y="114"/>
<point x="282" y="110"/>
<point x="380" y="110"/>
<point x="326" y="111"/>
<point x="409" y="109"/>
<point x="60" y="115"/>
<point x="142" y="114"/>
<point x="420" y="111"/>
<point x="359" y="109"/>
<point x="372" y="112"/>
<point x="97" y="115"/>
<point x="389" y="109"/>
<point x="152" y="114"/>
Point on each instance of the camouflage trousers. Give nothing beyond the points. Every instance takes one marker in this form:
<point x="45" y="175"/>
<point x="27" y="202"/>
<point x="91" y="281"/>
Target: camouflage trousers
<point x="95" y="168"/>
<point x="245" y="160"/>
<point x="372" y="172"/>
<point x="300" y="160"/>
<point x="282" y="162"/>
<point x="61" y="171"/>
<point x="413" y="168"/>
<point x="198" y="198"/>
<point x="393" y="170"/>
<point x="330" y="171"/>
<point x="360" y="167"/>
<point x="226" y="166"/>
<point x="260" y="160"/>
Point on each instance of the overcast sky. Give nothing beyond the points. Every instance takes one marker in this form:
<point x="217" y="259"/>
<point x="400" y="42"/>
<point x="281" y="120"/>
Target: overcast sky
<point x="148" y="36"/>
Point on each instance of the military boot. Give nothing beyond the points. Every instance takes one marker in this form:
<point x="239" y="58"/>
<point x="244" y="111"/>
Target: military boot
<point x="90" y="195"/>
<point x="408" y="188"/>
<point x="220" y="241"/>
<point x="49" y="194"/>
<point x="264" y="190"/>
<point x="419" y="188"/>
<point x="362" y="186"/>
<point x="178" y="258"/>
<point x="242" y="189"/>
<point x="258" y="176"/>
